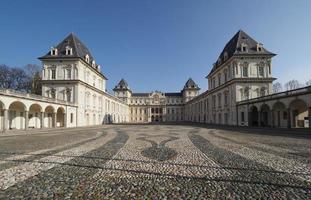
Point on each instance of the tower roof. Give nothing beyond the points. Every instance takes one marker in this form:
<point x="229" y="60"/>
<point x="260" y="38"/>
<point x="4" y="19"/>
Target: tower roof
<point x="122" y="85"/>
<point x="234" y="47"/>
<point x="190" y="84"/>
<point x="78" y="48"/>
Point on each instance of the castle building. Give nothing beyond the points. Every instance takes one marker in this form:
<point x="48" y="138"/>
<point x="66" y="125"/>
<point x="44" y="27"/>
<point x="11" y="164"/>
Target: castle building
<point x="242" y="71"/>
<point x="70" y="73"/>
<point x="239" y="93"/>
<point x="156" y="106"/>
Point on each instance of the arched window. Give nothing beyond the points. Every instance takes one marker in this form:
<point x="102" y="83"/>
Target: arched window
<point x="87" y="58"/>
<point x="244" y="47"/>
<point x="225" y="56"/>
<point x="54" y="51"/>
<point x="68" y="51"/>
<point x="259" y="47"/>
<point x="219" y="61"/>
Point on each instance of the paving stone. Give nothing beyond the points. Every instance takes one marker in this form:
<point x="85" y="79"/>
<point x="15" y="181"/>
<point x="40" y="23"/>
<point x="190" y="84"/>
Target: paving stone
<point x="155" y="162"/>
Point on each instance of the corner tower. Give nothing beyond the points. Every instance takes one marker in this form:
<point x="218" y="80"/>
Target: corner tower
<point x="122" y="90"/>
<point x="190" y="90"/>
<point x="70" y="73"/>
<point x="66" y="66"/>
<point x="242" y="71"/>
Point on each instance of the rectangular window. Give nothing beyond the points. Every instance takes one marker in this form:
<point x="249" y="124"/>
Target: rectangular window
<point x="219" y="79"/>
<point x="68" y="73"/>
<point x="245" y="71"/>
<point x="226" y="98"/>
<point x="71" y="117"/>
<point x="261" y="71"/>
<point x="242" y="116"/>
<point x="53" y="74"/>
<point x="68" y="96"/>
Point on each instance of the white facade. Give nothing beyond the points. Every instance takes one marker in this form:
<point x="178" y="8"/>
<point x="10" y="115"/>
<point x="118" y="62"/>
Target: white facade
<point x="74" y="94"/>
<point x="156" y="106"/>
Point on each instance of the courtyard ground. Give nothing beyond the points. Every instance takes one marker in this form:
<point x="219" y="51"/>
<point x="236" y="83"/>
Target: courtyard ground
<point x="155" y="162"/>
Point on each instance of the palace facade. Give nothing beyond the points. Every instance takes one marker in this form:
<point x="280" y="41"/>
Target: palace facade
<point x="156" y="106"/>
<point x="239" y="93"/>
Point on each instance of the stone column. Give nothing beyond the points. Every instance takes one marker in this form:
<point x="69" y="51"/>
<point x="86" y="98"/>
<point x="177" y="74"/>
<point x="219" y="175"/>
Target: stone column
<point x="42" y="119"/>
<point x="289" y="118"/>
<point x="54" y="120"/>
<point x="26" y="119"/>
<point x="65" y="120"/>
<point x="259" y="119"/>
<point x="272" y="118"/>
<point x="5" y="120"/>
<point x="310" y="117"/>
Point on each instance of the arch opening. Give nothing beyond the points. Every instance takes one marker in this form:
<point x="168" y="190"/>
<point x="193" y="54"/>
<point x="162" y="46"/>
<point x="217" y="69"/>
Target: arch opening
<point x="60" y="117"/>
<point x="49" y="118"/>
<point x="280" y="115"/>
<point x="17" y="115"/>
<point x="253" y="116"/>
<point x="264" y="115"/>
<point x="35" y="112"/>
<point x="299" y="114"/>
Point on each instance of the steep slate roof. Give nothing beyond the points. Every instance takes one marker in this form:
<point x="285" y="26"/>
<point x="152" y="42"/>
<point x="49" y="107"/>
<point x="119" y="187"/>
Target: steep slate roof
<point x="234" y="47"/>
<point x="78" y="48"/>
<point x="173" y="94"/>
<point x="190" y="84"/>
<point x="122" y="85"/>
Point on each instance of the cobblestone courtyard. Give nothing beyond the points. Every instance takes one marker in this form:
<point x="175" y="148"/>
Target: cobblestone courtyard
<point x="154" y="162"/>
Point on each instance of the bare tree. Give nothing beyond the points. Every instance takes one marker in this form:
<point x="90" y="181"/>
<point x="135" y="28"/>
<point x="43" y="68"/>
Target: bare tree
<point x="277" y="87"/>
<point x="20" y="79"/>
<point x="291" y="85"/>
<point x="5" y="77"/>
<point x="34" y="74"/>
<point x="27" y="79"/>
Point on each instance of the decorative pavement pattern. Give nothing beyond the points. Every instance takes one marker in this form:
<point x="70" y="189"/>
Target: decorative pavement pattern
<point x="154" y="162"/>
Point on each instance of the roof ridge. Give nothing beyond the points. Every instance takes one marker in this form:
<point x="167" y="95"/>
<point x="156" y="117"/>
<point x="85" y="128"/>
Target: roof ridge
<point x="74" y="40"/>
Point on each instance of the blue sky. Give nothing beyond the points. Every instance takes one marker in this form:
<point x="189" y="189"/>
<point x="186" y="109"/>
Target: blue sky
<point x="158" y="45"/>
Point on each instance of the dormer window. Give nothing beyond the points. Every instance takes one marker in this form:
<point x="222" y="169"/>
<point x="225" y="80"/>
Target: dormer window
<point x="219" y="61"/>
<point x="259" y="47"/>
<point x="87" y="58"/>
<point x="68" y="51"/>
<point x="54" y="51"/>
<point x="243" y="47"/>
<point x="93" y="63"/>
<point x="225" y="56"/>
